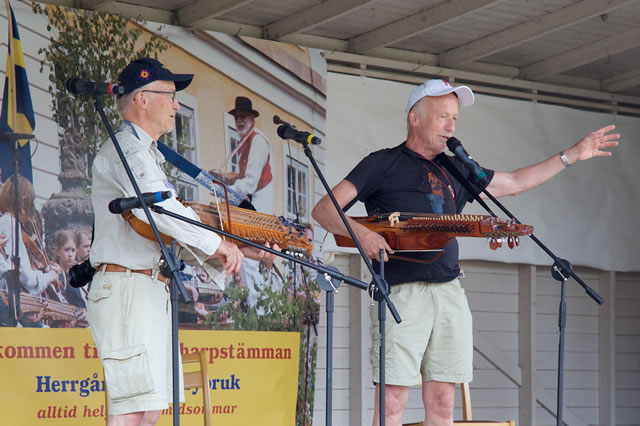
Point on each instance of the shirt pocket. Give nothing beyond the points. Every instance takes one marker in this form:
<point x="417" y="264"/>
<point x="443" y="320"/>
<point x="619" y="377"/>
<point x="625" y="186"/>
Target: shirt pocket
<point x="127" y="372"/>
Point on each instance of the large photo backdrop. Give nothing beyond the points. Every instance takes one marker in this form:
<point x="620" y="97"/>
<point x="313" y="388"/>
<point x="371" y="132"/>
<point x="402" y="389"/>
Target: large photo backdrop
<point x="258" y="327"/>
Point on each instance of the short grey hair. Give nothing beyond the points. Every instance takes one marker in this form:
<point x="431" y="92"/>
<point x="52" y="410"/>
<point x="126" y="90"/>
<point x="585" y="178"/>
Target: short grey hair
<point x="124" y="102"/>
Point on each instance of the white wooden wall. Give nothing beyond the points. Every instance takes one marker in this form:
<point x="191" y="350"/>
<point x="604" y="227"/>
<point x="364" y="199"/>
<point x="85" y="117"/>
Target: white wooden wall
<point x="515" y="311"/>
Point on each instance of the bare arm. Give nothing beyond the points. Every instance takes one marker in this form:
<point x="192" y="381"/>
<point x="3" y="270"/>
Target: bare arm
<point x="325" y="213"/>
<point x="521" y="180"/>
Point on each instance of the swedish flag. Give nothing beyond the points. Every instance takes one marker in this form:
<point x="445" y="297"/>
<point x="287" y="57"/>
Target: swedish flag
<point x="17" y="111"/>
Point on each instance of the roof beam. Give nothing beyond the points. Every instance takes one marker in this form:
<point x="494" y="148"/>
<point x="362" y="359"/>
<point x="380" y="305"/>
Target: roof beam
<point x="132" y="11"/>
<point x="622" y="81"/>
<point x="311" y="17"/>
<point x="94" y="4"/>
<point x="425" y="20"/>
<point x="582" y="55"/>
<point x="529" y="30"/>
<point x="195" y="13"/>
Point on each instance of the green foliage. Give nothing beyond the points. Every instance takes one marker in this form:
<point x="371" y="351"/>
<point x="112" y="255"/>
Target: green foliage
<point x="275" y="309"/>
<point x="92" y="46"/>
<point x="286" y="309"/>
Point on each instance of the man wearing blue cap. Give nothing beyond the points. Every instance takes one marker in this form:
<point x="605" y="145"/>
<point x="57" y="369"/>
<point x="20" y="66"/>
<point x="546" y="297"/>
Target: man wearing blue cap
<point x="435" y="337"/>
<point x="128" y="303"/>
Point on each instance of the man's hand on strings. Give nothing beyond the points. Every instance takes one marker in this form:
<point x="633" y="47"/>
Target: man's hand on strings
<point x="259" y="254"/>
<point x="230" y="255"/>
<point x="372" y="242"/>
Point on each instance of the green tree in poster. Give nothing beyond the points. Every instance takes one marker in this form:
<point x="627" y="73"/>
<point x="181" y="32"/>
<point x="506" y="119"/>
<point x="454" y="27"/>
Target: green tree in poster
<point x="91" y="46"/>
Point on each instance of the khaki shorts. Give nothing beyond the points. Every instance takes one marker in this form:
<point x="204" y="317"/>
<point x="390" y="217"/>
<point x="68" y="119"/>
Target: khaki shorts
<point x="130" y="320"/>
<point x="434" y="341"/>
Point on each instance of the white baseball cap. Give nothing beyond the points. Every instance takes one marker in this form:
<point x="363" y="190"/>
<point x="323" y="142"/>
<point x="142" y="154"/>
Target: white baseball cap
<point x="440" y="88"/>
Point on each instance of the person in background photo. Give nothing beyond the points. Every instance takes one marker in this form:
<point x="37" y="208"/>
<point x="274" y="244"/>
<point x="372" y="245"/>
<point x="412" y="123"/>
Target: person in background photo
<point x="253" y="180"/>
<point x="35" y="273"/>
<point x="82" y="238"/>
<point x="65" y="253"/>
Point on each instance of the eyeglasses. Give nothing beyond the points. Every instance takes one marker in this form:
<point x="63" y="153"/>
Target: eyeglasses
<point x="173" y="94"/>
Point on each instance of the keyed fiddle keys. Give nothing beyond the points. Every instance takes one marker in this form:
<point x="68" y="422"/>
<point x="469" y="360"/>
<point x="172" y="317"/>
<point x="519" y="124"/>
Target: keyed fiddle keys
<point x="255" y="226"/>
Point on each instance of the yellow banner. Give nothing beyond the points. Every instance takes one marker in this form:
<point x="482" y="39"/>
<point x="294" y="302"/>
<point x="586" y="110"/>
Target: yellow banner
<point x="53" y="376"/>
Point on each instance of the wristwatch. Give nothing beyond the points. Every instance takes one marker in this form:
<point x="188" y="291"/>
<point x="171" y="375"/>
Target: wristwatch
<point x="564" y="159"/>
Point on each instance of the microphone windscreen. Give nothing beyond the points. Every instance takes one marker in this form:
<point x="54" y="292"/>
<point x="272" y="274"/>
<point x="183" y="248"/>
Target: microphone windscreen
<point x="282" y="131"/>
<point x="453" y="143"/>
<point x="70" y="85"/>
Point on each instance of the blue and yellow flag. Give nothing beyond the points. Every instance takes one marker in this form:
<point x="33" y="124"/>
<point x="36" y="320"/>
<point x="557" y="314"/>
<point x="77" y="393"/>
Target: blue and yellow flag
<point x="17" y="111"/>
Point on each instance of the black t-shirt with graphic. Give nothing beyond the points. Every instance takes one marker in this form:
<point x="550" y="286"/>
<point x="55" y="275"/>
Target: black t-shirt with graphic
<point x="398" y="179"/>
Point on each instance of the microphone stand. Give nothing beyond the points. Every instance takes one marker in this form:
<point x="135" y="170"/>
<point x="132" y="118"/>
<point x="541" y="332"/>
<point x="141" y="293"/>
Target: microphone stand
<point x="379" y="285"/>
<point x="169" y="264"/>
<point x="13" y="284"/>
<point x="561" y="270"/>
<point x="326" y="284"/>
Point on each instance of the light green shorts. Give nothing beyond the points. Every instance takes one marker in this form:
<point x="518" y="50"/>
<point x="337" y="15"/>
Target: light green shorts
<point x="130" y="320"/>
<point x="434" y="341"/>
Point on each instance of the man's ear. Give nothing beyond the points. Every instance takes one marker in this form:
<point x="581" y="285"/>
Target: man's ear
<point x="413" y="118"/>
<point x="141" y="100"/>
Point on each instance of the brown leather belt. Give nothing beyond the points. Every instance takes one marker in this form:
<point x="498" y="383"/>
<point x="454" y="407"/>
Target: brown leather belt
<point x="110" y="267"/>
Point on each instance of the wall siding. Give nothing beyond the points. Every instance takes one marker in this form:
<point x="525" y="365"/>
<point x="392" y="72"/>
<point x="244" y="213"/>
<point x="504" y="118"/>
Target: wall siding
<point x="492" y="291"/>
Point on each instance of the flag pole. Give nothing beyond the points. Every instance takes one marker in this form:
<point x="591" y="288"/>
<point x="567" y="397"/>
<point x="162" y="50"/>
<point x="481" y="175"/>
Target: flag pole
<point x="13" y="290"/>
<point x="11" y="65"/>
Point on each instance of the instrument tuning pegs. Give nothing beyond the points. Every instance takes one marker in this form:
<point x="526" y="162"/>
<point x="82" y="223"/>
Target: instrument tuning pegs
<point x="493" y="244"/>
<point x="517" y="239"/>
<point x="511" y="242"/>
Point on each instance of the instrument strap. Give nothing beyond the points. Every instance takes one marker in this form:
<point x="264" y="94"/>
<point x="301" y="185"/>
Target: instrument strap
<point x="199" y="175"/>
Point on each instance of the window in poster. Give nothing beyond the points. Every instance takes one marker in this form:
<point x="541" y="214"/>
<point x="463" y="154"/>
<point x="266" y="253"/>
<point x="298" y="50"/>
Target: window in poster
<point x="183" y="139"/>
<point x="231" y="140"/>
<point x="297" y="189"/>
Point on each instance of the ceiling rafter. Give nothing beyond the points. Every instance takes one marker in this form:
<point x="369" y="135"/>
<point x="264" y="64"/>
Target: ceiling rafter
<point x="196" y="13"/>
<point x="601" y="80"/>
<point x="622" y="81"/>
<point x="582" y="55"/>
<point x="311" y="17"/>
<point x="529" y="30"/>
<point x="425" y="20"/>
<point x="95" y="4"/>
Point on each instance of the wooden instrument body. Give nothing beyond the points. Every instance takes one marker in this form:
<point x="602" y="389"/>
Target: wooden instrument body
<point x="39" y="260"/>
<point x="248" y="224"/>
<point x="254" y="226"/>
<point x="434" y="231"/>
<point x="51" y="310"/>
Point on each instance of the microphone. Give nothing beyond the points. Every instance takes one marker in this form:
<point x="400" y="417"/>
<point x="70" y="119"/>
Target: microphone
<point x="121" y="205"/>
<point x="456" y="147"/>
<point x="278" y="120"/>
<point x="286" y="131"/>
<point x="79" y="86"/>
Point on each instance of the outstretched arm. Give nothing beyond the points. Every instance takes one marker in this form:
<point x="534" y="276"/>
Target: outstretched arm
<point x="521" y="180"/>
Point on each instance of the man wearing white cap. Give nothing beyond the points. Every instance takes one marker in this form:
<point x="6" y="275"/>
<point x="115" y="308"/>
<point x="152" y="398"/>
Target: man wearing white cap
<point x="435" y="335"/>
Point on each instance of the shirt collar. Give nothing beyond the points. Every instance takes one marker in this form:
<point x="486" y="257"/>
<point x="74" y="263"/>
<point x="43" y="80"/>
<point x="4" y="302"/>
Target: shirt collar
<point x="144" y="138"/>
<point x="139" y="132"/>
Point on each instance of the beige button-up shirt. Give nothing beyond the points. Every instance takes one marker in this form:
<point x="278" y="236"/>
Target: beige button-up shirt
<point x="115" y="241"/>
